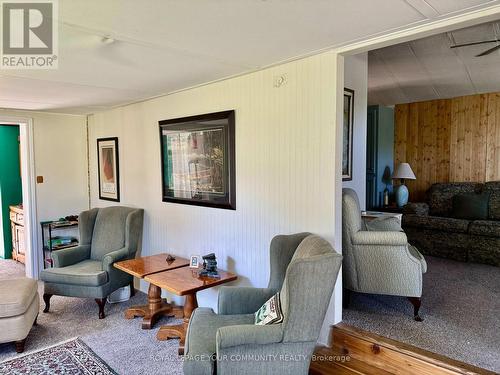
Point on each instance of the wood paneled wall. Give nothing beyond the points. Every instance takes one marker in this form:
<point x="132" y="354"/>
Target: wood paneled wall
<point x="449" y="140"/>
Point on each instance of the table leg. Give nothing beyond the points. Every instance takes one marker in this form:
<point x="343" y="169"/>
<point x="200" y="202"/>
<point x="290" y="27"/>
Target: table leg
<point x="155" y="308"/>
<point x="179" y="331"/>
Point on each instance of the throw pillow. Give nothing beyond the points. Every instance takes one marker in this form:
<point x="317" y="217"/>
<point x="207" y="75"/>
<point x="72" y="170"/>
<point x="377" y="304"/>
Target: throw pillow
<point x="384" y="224"/>
<point x="270" y="312"/>
<point x="471" y="206"/>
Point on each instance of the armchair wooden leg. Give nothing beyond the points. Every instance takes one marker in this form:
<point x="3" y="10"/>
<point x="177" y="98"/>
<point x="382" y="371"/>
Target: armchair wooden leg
<point x="416" y="302"/>
<point x="20" y="345"/>
<point x="101" y="302"/>
<point x="46" y="299"/>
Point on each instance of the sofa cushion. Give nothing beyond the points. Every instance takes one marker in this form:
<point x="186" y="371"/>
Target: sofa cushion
<point x="485" y="228"/>
<point x="441" y="195"/>
<point x="471" y="206"/>
<point x="493" y="187"/>
<point x="87" y="273"/>
<point x="446" y="224"/>
<point x="16" y="295"/>
<point x="418" y="208"/>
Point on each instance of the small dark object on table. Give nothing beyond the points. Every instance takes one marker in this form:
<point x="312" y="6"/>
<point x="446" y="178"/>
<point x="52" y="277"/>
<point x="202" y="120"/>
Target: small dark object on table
<point x="209" y="266"/>
<point x="170" y="258"/>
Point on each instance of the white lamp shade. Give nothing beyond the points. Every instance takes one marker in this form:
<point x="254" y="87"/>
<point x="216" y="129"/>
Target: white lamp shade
<point x="404" y="171"/>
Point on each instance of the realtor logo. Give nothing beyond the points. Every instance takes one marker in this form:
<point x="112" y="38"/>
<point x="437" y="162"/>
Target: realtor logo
<point x="29" y="34"/>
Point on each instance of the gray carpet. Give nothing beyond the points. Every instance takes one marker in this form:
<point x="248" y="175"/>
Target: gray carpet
<point x="10" y="268"/>
<point x="460" y="307"/>
<point x="121" y="343"/>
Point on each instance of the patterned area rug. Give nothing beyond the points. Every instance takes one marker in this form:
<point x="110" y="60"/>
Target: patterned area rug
<point x="71" y="357"/>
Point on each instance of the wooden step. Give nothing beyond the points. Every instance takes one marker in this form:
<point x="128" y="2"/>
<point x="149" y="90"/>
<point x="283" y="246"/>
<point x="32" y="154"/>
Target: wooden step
<point x="329" y="361"/>
<point x="393" y="357"/>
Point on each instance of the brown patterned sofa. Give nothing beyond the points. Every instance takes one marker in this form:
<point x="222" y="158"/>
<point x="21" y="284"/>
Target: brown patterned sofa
<point x="431" y="227"/>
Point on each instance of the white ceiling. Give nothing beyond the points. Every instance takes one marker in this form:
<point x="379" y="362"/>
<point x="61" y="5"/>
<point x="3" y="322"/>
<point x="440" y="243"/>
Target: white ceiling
<point x="166" y="45"/>
<point x="428" y="68"/>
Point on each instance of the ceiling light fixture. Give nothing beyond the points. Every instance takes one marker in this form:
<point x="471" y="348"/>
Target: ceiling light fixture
<point x="107" y="40"/>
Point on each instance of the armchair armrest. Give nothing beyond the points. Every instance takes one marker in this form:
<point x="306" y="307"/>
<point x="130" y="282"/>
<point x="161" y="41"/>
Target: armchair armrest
<point x="248" y="334"/>
<point x="113" y="257"/>
<point x="70" y="255"/>
<point x="242" y="300"/>
<point x="380" y="238"/>
<point x="421" y="209"/>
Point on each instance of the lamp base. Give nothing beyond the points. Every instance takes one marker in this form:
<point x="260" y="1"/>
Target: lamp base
<point x="402" y="195"/>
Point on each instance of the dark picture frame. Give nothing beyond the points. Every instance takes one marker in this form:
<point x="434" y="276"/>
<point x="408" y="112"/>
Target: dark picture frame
<point x="198" y="160"/>
<point x="108" y="169"/>
<point x="347" y="134"/>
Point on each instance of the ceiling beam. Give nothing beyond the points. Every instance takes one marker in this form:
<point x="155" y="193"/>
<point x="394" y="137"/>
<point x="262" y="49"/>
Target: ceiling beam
<point x="424" y="8"/>
<point x="421" y="30"/>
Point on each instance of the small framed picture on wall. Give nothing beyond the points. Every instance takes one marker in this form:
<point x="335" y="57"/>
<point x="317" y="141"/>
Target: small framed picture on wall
<point x="347" y="134"/>
<point x="108" y="169"/>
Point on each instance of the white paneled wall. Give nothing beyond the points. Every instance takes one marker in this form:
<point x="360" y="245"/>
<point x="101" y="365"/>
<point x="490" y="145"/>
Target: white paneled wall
<point x="356" y="78"/>
<point x="285" y="166"/>
<point x="60" y="144"/>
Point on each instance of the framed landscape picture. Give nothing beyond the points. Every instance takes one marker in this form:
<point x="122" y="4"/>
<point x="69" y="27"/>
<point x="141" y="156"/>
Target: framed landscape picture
<point x="108" y="169"/>
<point x="347" y="135"/>
<point x="198" y="160"/>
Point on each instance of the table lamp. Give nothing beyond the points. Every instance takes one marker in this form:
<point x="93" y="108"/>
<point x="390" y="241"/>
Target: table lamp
<point x="403" y="172"/>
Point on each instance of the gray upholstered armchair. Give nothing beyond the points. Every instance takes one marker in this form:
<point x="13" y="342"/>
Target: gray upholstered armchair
<point x="378" y="262"/>
<point x="304" y="269"/>
<point x="107" y="235"/>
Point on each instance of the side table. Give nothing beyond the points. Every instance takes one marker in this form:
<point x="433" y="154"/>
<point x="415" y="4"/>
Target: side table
<point x="156" y="307"/>
<point x="184" y="282"/>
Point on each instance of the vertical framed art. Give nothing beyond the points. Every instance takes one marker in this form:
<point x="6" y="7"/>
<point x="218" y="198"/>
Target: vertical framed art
<point x="108" y="169"/>
<point x="347" y="135"/>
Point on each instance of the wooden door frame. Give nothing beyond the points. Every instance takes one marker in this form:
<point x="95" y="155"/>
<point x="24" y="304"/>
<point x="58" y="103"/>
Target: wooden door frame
<point x="33" y="260"/>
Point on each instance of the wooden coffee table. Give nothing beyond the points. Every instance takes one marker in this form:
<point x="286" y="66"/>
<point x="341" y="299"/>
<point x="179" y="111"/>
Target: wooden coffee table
<point x="156" y="307"/>
<point x="184" y="282"/>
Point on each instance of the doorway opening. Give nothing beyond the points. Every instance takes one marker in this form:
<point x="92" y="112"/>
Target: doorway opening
<point x="12" y="248"/>
<point x="426" y="125"/>
<point x="18" y="228"/>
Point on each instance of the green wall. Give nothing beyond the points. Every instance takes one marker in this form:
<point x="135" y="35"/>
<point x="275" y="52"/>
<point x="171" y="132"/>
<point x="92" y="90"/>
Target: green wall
<point x="10" y="183"/>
